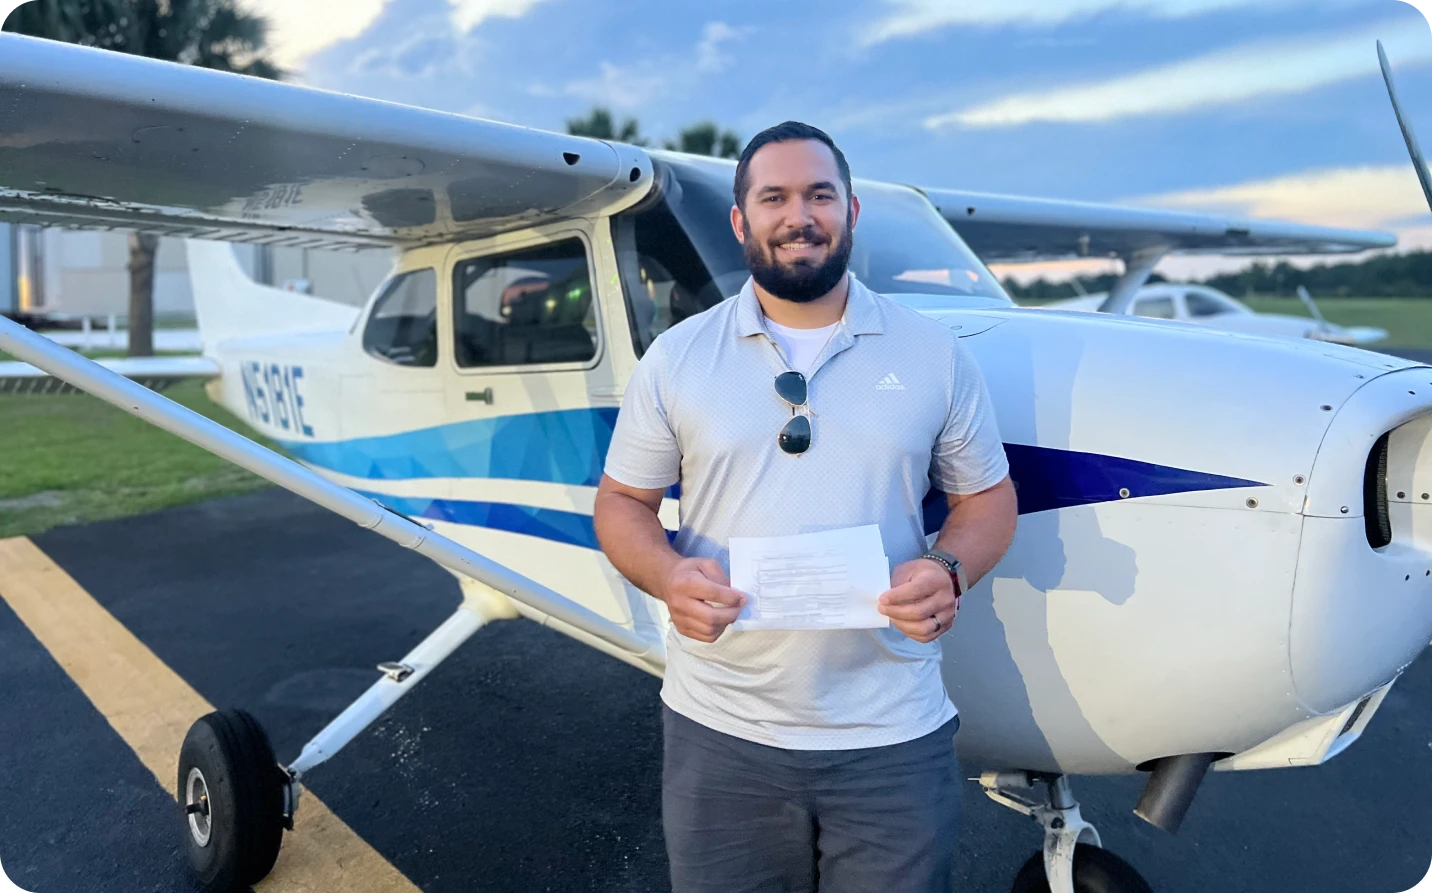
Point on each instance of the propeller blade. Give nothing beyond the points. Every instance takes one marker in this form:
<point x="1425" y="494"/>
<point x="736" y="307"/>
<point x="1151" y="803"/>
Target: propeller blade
<point x="1407" y="135"/>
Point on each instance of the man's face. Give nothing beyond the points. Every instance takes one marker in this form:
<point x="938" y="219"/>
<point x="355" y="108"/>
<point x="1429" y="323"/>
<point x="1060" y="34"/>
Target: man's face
<point x="798" y="226"/>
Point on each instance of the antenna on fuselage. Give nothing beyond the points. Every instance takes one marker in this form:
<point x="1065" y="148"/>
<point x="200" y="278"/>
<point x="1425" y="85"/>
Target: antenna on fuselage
<point x="1407" y="135"/>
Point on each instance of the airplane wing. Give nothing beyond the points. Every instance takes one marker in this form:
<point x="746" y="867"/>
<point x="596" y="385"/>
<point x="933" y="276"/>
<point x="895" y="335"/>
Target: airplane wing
<point x="1014" y="229"/>
<point x="155" y="373"/>
<point x="94" y="138"/>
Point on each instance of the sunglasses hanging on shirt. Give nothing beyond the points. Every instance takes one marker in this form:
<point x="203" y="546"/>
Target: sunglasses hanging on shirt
<point x="794" y="438"/>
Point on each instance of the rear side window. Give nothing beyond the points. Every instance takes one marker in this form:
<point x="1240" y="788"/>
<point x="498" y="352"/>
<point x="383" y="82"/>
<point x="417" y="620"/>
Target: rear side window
<point x="1154" y="308"/>
<point x="403" y="327"/>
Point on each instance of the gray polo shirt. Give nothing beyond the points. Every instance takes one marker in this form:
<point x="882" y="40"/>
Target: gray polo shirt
<point x="898" y="406"/>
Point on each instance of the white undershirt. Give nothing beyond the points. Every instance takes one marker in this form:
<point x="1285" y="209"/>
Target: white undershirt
<point x="801" y="346"/>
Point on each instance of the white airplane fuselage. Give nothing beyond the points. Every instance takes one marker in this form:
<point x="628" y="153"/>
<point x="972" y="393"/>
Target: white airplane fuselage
<point x="1192" y="570"/>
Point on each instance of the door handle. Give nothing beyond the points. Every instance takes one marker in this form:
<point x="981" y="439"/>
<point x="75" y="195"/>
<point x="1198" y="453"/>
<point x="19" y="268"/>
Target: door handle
<point x="483" y="396"/>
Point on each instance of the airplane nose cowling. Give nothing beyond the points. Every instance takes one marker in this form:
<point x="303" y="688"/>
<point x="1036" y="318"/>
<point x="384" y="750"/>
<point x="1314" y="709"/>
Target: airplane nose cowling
<point x="1362" y="600"/>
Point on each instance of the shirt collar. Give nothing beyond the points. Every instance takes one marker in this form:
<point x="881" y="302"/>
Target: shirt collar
<point x="863" y="315"/>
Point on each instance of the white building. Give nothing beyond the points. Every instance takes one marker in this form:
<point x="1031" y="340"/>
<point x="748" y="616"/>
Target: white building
<point x="87" y="273"/>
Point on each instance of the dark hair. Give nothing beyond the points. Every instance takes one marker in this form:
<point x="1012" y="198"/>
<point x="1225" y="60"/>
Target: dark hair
<point x="782" y="133"/>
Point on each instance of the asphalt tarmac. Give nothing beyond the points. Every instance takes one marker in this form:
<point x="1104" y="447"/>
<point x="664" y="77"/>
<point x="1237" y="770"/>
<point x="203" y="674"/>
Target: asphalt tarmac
<point x="528" y="762"/>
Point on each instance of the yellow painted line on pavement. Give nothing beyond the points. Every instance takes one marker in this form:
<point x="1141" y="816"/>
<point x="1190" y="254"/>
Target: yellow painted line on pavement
<point x="151" y="708"/>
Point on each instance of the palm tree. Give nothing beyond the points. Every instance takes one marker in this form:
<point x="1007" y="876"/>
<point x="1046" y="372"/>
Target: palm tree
<point x="599" y="124"/>
<point x="705" y="138"/>
<point x="216" y="34"/>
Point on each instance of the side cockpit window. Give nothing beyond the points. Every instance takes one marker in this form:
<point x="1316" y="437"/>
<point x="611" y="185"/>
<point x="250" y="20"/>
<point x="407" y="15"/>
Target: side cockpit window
<point x="403" y="327"/>
<point x="528" y="307"/>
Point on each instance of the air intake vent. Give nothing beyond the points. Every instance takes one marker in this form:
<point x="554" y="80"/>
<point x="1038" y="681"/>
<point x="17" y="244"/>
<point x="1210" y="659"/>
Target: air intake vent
<point x="1374" y="495"/>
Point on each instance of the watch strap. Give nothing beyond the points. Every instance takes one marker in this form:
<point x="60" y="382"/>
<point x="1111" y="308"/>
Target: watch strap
<point x="952" y="567"/>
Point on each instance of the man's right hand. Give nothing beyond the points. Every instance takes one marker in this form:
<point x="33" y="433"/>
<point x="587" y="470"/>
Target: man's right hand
<point x="700" y="599"/>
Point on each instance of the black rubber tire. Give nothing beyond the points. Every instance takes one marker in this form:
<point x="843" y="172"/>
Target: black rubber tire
<point x="245" y="786"/>
<point x="1095" y="871"/>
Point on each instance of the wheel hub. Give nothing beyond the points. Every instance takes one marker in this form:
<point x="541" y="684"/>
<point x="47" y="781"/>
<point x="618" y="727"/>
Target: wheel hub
<point x="196" y="806"/>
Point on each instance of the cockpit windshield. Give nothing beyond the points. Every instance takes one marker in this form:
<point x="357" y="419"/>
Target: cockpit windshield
<point x="681" y="256"/>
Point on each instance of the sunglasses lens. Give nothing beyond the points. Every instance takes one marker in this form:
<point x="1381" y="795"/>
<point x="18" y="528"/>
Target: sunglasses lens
<point x="792" y="388"/>
<point x="795" y="436"/>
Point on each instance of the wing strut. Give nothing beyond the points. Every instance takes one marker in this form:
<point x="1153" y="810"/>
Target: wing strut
<point x="1138" y="266"/>
<point x="133" y="398"/>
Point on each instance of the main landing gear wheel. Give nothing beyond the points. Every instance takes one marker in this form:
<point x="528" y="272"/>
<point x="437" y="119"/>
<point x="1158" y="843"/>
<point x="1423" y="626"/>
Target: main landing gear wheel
<point x="232" y="792"/>
<point x="1095" y="871"/>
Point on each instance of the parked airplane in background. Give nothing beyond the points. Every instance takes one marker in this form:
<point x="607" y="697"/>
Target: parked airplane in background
<point x="466" y="410"/>
<point x="1204" y="306"/>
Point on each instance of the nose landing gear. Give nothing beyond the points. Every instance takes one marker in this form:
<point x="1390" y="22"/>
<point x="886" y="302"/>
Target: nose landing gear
<point x="233" y="794"/>
<point x="1073" y="860"/>
<point x="1094" y="871"/>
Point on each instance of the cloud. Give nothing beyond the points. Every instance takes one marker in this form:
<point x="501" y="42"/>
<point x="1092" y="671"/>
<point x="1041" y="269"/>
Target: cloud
<point x="468" y="14"/>
<point x="300" y="28"/>
<point x="1243" y="72"/>
<point x="709" y="57"/>
<point x="640" y="83"/>
<point x="910" y="18"/>
<point x="417" y="55"/>
<point x="629" y="87"/>
<point x="1361" y="197"/>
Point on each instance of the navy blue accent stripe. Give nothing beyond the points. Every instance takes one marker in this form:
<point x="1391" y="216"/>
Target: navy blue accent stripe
<point x="572" y="528"/>
<point x="1048" y="478"/>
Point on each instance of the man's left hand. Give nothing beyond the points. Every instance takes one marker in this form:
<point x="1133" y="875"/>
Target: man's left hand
<point x="921" y="601"/>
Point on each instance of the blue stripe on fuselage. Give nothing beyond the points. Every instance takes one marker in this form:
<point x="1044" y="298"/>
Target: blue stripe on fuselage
<point x="570" y="446"/>
<point x="1048" y="478"/>
<point x="563" y="447"/>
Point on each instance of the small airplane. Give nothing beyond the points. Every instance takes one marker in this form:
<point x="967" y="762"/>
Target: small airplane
<point x="1209" y="307"/>
<point x="1223" y="558"/>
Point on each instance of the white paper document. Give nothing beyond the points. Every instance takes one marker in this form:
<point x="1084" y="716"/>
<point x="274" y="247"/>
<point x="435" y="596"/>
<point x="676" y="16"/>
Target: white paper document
<point x="828" y="580"/>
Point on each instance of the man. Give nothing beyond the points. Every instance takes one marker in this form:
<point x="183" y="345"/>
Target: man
<point x="805" y="760"/>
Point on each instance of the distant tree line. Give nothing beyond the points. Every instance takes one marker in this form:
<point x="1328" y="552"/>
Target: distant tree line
<point x="1386" y="276"/>
<point x="701" y="138"/>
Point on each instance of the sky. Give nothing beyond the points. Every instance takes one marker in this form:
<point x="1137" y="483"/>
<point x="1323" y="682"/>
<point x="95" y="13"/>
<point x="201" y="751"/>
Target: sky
<point x="1265" y="108"/>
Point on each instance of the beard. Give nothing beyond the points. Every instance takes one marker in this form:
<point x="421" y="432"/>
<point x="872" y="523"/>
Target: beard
<point x="801" y="281"/>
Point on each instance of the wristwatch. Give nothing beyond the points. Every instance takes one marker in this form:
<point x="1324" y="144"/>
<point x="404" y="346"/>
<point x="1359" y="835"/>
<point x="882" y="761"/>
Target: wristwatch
<point x="953" y="567"/>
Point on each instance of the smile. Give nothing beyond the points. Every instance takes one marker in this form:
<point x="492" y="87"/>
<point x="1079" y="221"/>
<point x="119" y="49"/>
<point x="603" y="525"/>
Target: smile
<point x="799" y="247"/>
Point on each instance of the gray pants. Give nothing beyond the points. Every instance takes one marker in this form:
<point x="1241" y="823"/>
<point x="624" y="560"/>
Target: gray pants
<point x="742" y="817"/>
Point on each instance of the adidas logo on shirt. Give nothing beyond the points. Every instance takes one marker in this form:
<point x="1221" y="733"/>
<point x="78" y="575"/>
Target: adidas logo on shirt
<point x="890" y="383"/>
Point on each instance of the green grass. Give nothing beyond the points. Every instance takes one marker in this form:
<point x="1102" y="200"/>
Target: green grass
<point x="1408" y="321"/>
<point x="74" y="459"/>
